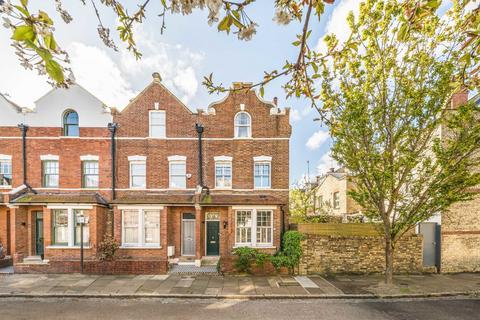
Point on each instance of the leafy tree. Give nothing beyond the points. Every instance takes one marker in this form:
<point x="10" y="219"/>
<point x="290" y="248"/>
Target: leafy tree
<point x="302" y="201"/>
<point x="388" y="94"/>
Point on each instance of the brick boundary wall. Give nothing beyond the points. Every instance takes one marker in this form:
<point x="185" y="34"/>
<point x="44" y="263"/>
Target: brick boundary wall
<point x="358" y="254"/>
<point x="116" y="267"/>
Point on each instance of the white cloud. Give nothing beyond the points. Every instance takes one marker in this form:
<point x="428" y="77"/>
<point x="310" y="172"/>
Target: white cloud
<point x="326" y="162"/>
<point x="317" y="139"/>
<point x="100" y="75"/>
<point x="176" y="64"/>
<point x="295" y="115"/>
<point x="337" y="22"/>
<point x="22" y="86"/>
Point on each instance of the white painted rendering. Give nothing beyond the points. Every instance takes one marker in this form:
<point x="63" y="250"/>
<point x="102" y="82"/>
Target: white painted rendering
<point x="49" y="157"/>
<point x="137" y="158"/>
<point x="89" y="157"/>
<point x="223" y="158"/>
<point x="50" y="108"/>
<point x="177" y="158"/>
<point x="262" y="159"/>
<point x="10" y="115"/>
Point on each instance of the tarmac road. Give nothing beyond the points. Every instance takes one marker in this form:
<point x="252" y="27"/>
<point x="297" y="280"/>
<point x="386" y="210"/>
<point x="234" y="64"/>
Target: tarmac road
<point x="155" y="308"/>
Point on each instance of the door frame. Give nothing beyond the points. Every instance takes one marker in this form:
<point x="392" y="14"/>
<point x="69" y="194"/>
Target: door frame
<point x="36" y="232"/>
<point x="182" y="229"/>
<point x="207" y="220"/>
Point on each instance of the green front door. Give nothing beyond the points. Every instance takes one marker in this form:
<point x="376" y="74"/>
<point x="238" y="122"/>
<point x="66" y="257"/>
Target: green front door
<point x="213" y="238"/>
<point x="39" y="233"/>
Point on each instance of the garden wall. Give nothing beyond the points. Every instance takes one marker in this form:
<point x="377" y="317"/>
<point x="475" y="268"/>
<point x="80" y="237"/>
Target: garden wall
<point x="358" y="254"/>
<point x="96" y="267"/>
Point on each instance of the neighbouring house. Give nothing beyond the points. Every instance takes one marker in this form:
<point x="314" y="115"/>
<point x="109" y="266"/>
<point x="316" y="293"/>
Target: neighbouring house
<point x="169" y="184"/>
<point x="332" y="197"/>
<point x="460" y="226"/>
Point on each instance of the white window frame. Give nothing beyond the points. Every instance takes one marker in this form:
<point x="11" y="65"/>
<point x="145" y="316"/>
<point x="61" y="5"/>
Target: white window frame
<point x="136" y="160"/>
<point x="158" y="125"/>
<point x="70" y="225"/>
<point x="260" y="161"/>
<point x="8" y="159"/>
<point x="141" y="229"/>
<point x="176" y="160"/>
<point x="235" y="125"/>
<point x="222" y="160"/>
<point x="253" y="227"/>
<point x="333" y="200"/>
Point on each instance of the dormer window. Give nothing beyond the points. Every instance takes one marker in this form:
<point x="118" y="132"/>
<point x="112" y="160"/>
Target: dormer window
<point x="70" y="124"/>
<point x="243" y="125"/>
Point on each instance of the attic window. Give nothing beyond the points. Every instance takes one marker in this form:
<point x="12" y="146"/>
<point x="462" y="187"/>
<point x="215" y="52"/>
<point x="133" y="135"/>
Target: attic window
<point x="243" y="125"/>
<point x="70" y="124"/>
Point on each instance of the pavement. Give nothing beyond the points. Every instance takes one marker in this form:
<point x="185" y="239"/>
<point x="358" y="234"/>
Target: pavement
<point x="213" y="309"/>
<point x="237" y="287"/>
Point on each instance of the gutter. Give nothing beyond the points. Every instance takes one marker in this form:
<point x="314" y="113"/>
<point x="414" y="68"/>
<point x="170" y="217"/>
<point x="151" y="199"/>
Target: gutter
<point x="112" y="127"/>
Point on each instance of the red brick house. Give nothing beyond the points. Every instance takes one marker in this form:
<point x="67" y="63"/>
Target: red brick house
<point x="185" y="185"/>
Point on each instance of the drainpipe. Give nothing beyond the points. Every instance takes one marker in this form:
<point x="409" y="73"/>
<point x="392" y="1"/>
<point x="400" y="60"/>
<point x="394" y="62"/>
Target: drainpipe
<point x="113" y="129"/>
<point x="200" y="128"/>
<point x="24" y="128"/>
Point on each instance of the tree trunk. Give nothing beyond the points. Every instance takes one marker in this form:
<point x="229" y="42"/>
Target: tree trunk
<point x="388" y="260"/>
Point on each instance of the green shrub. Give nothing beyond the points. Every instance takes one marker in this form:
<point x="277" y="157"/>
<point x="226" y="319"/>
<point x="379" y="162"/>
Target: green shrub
<point x="289" y="257"/>
<point x="107" y="248"/>
<point x="245" y="258"/>
<point x="291" y="252"/>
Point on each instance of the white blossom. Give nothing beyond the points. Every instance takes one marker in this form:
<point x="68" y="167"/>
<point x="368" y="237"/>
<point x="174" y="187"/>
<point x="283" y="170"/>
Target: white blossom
<point x="282" y="17"/>
<point x="247" y="32"/>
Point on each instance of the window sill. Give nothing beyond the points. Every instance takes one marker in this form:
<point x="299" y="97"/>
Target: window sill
<point x="70" y="137"/>
<point x="157" y="138"/>
<point x="243" y="138"/>
<point x="141" y="248"/>
<point x="222" y="189"/>
<point x="67" y="247"/>
<point x="5" y="187"/>
<point x="264" y="188"/>
<point x="256" y="247"/>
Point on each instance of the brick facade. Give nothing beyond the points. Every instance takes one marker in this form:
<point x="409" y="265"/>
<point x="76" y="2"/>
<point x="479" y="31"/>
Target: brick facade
<point x="270" y="133"/>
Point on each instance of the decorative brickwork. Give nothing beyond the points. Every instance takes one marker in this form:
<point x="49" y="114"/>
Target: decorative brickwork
<point x="356" y="254"/>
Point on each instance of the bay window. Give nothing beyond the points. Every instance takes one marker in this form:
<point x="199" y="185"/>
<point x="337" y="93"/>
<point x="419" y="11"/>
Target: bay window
<point x="141" y="227"/>
<point x="66" y="230"/>
<point x="254" y="227"/>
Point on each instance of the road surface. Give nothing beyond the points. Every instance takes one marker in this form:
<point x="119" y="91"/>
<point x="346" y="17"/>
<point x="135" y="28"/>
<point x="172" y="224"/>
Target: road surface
<point x="117" y="309"/>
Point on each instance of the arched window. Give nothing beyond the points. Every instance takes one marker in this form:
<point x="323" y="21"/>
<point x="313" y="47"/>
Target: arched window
<point x="70" y="124"/>
<point x="243" y="125"/>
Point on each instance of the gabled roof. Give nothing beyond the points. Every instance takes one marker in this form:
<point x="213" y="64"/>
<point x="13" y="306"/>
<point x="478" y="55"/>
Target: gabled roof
<point x="105" y="106"/>
<point x="15" y="106"/>
<point x="158" y="82"/>
<point x="339" y="174"/>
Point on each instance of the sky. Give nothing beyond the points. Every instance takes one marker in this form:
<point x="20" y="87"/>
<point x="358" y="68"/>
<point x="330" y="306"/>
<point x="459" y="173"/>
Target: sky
<point x="188" y="50"/>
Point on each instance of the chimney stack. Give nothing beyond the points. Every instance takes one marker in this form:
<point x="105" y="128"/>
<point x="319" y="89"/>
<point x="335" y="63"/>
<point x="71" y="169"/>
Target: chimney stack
<point x="275" y="101"/>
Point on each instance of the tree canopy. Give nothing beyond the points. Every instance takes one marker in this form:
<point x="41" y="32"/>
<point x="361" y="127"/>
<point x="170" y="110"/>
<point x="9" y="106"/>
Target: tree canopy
<point x="387" y="95"/>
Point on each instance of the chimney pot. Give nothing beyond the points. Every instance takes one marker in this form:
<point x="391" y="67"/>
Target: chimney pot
<point x="156" y="77"/>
